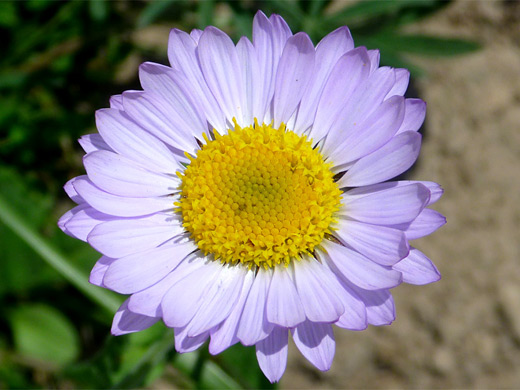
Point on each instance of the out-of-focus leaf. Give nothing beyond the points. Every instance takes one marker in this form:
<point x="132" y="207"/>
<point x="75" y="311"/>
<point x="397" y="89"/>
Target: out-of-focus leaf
<point x="152" y="11"/>
<point x="43" y="333"/>
<point x="205" y="13"/>
<point x="8" y="15"/>
<point x="424" y="44"/>
<point x="98" y="10"/>
<point x="364" y="10"/>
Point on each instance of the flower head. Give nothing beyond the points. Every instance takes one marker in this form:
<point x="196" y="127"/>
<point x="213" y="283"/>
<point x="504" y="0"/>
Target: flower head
<point x="243" y="194"/>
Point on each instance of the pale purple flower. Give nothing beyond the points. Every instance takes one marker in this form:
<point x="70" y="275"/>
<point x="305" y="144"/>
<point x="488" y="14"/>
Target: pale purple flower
<point x="243" y="195"/>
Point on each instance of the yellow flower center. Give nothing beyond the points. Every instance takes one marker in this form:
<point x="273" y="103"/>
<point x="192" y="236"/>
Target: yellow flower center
<point x="258" y="195"/>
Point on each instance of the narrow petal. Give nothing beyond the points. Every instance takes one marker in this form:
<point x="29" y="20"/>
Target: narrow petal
<point x="417" y="268"/>
<point x="121" y="176"/>
<point x="127" y="322"/>
<point x="350" y="71"/>
<point x="93" y="142"/>
<point x="360" y="270"/>
<point x="138" y="271"/>
<point x="71" y="191"/>
<point x="271" y="353"/>
<point x="184" y="343"/>
<point x="226" y="334"/>
<point x="414" y="113"/>
<point x="374" y="56"/>
<point x="182" y="53"/>
<point x="174" y="89"/>
<point x="253" y="326"/>
<point x="250" y="67"/>
<point x="148" y="301"/>
<point x="196" y="34"/>
<point x="116" y="101"/>
<point x="120" y="205"/>
<point x="402" y="78"/>
<point x="385" y="246"/>
<point x="328" y="52"/>
<point x="130" y="140"/>
<point x="391" y="206"/>
<point x="369" y="135"/>
<point x="219" y="300"/>
<point x="158" y="117"/>
<point x="316" y="342"/>
<point x="392" y="159"/>
<point x="181" y="302"/>
<point x="126" y="236"/>
<point x="98" y="271"/>
<point x="319" y="301"/>
<point x="380" y="306"/>
<point x="292" y="77"/>
<point x="426" y="223"/>
<point x="83" y="220"/>
<point x="221" y="69"/>
<point x="284" y="306"/>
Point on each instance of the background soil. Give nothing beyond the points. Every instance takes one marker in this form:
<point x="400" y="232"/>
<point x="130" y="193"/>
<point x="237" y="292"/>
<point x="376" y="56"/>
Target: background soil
<point x="464" y="331"/>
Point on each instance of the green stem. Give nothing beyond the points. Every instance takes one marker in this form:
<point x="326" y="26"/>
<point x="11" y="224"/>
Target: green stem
<point x="55" y="259"/>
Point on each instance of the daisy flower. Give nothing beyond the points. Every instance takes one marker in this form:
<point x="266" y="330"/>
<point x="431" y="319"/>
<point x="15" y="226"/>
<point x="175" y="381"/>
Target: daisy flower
<point x="243" y="194"/>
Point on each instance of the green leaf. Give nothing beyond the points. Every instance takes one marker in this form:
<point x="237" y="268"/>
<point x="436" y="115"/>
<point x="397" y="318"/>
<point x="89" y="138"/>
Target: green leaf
<point x="8" y="15"/>
<point x="98" y="10"/>
<point x="424" y="44"/>
<point x="152" y="11"/>
<point x="41" y="332"/>
<point x="364" y="10"/>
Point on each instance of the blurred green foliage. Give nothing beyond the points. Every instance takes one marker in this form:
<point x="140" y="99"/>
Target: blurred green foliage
<point x="60" y="62"/>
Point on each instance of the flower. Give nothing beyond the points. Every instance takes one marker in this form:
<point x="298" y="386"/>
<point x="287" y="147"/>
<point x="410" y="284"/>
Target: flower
<point x="243" y="194"/>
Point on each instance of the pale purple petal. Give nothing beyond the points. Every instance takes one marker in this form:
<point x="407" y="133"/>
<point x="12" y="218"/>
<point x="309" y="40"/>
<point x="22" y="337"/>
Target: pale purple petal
<point x="368" y="135"/>
<point x="391" y="206"/>
<point x="121" y="176"/>
<point x="292" y="77"/>
<point x="315" y="340"/>
<point x="148" y="301"/>
<point x="98" y="271"/>
<point x="426" y="223"/>
<point x="360" y="270"/>
<point x="250" y="67"/>
<point x="374" y="56"/>
<point x="127" y="322"/>
<point x="138" y="271"/>
<point x="318" y="298"/>
<point x="219" y="300"/>
<point x="71" y="191"/>
<point x="128" y="139"/>
<point x="381" y="244"/>
<point x="196" y="34"/>
<point x="123" y="237"/>
<point x="414" y="113"/>
<point x="221" y="69"/>
<point x="82" y="220"/>
<point x="402" y="78"/>
<point x="253" y="325"/>
<point x="328" y="52"/>
<point x="417" y="268"/>
<point x="156" y="115"/>
<point x="283" y="305"/>
<point x="271" y="353"/>
<point x="380" y="306"/>
<point x="184" y="343"/>
<point x="93" y="142"/>
<point x="181" y="302"/>
<point x="116" y="101"/>
<point x="119" y="205"/>
<point x="175" y="90"/>
<point x="226" y="334"/>
<point x="182" y="53"/>
<point x="387" y="162"/>
<point x="350" y="71"/>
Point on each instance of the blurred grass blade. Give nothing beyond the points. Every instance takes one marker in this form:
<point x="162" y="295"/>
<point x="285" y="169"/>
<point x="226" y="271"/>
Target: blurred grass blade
<point x="212" y="376"/>
<point x="363" y="10"/>
<point x="57" y="261"/>
<point x="425" y="45"/>
<point x="152" y="11"/>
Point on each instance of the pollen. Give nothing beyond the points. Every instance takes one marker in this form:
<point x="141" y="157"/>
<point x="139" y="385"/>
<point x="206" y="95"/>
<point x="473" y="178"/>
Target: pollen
<point x="258" y="195"/>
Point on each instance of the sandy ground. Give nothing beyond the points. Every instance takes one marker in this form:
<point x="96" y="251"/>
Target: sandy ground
<point x="464" y="331"/>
